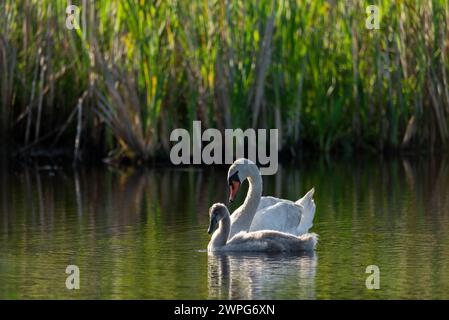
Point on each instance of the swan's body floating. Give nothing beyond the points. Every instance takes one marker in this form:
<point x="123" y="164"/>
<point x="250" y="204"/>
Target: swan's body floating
<point x="267" y="240"/>
<point x="266" y="213"/>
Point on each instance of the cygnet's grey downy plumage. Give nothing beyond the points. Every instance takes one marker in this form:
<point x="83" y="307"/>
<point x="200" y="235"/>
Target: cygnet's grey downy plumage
<point x="262" y="240"/>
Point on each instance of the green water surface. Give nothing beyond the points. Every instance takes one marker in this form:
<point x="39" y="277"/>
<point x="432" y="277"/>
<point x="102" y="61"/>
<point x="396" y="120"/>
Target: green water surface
<point x="142" y="234"/>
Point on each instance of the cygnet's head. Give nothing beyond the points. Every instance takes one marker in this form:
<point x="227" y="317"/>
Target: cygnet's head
<point x="238" y="172"/>
<point x="217" y="212"/>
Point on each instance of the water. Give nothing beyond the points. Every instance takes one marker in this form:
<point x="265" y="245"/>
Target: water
<point x="143" y="234"/>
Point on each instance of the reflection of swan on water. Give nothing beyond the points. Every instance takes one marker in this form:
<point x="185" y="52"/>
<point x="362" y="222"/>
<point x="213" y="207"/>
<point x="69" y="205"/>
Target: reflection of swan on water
<point x="261" y="275"/>
<point x="266" y="240"/>
<point x="266" y="213"/>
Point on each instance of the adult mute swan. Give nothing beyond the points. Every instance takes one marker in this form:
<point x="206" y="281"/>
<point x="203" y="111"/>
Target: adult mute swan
<point x="266" y="240"/>
<point x="266" y="213"/>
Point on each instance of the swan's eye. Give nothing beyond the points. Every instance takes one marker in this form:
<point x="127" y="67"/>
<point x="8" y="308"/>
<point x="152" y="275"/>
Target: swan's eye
<point x="234" y="177"/>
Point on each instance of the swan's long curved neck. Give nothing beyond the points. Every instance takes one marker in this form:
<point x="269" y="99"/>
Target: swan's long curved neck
<point x="220" y="237"/>
<point x="243" y="216"/>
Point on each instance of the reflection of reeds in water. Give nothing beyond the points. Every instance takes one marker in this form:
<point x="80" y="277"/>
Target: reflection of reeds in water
<point x="4" y="194"/>
<point x="128" y="196"/>
<point x="261" y="276"/>
<point x="429" y="177"/>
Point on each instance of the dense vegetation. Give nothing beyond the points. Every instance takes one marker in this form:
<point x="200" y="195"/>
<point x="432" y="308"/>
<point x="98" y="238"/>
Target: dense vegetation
<point x="135" y="70"/>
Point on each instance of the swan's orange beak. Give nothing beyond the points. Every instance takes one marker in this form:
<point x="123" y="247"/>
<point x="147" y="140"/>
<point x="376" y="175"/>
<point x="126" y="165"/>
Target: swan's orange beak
<point x="234" y="187"/>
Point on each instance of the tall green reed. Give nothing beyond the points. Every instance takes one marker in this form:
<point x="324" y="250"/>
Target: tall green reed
<point x="138" y="69"/>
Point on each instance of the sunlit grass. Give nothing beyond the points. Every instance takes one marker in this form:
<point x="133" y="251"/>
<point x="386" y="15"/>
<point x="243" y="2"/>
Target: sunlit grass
<point x="143" y="68"/>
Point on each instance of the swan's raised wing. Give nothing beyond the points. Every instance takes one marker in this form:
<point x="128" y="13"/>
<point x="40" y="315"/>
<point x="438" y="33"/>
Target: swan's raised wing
<point x="308" y="212"/>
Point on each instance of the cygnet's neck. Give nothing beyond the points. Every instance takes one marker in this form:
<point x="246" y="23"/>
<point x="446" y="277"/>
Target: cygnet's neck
<point x="220" y="237"/>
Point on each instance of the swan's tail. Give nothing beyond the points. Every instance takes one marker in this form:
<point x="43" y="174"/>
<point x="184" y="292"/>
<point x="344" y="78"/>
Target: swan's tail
<point x="308" y="212"/>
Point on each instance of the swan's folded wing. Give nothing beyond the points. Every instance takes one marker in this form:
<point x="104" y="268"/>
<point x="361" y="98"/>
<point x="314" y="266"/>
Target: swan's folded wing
<point x="283" y="216"/>
<point x="269" y="201"/>
<point x="280" y="241"/>
<point x="271" y="241"/>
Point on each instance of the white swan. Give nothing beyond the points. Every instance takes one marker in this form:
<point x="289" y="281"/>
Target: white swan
<point x="266" y="213"/>
<point x="267" y="240"/>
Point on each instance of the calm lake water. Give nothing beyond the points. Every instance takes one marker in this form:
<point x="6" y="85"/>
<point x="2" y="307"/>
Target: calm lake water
<point x="142" y="234"/>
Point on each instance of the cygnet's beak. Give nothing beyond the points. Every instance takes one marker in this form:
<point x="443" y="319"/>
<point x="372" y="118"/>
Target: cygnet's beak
<point x="212" y="226"/>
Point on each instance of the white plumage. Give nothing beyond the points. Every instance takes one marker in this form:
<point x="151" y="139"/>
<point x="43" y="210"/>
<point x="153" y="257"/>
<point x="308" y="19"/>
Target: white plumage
<point x="267" y="213"/>
<point x="266" y="240"/>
